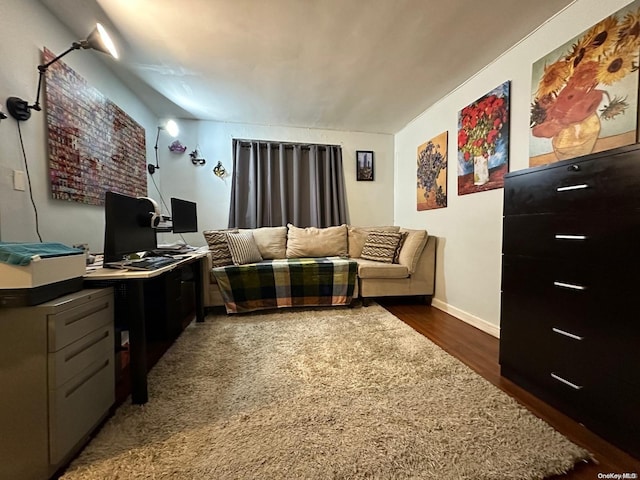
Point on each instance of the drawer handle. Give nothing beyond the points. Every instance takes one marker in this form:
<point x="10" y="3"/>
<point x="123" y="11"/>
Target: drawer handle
<point x="567" y="334"/>
<point x="560" y="236"/>
<point x="566" y="382"/>
<point x="88" y="377"/>
<point x="572" y="187"/>
<point x="571" y="286"/>
<point x="87" y="346"/>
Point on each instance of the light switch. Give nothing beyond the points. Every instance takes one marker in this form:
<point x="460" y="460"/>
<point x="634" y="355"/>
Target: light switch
<point x="19" y="180"/>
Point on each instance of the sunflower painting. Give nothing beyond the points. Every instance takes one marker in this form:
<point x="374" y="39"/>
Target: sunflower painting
<point x="584" y="94"/>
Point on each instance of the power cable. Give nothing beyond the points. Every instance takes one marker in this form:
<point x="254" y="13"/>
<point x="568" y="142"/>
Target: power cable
<point x="26" y="168"/>
<point x="153" y="179"/>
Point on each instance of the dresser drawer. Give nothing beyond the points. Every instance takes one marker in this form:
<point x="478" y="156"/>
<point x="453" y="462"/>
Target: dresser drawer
<point x="536" y="341"/>
<point x="78" y="405"/>
<point x="70" y="325"/>
<point x="72" y="359"/>
<point x="542" y="332"/>
<point x="606" y="183"/>
<point x="588" y="238"/>
<point x="598" y="281"/>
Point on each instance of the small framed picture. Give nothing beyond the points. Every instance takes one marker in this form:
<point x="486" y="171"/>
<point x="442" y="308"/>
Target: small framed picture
<point x="364" y="165"/>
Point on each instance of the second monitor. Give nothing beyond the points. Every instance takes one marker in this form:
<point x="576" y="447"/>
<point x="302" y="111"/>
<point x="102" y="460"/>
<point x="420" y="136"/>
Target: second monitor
<point x="184" y="216"/>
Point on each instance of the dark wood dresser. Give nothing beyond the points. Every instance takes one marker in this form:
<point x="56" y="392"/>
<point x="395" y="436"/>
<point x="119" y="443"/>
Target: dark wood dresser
<point x="570" y="311"/>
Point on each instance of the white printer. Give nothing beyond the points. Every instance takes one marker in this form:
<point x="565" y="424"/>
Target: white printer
<point x="32" y="273"/>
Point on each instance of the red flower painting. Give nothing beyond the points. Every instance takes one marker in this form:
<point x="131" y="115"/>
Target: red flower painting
<point x="481" y="124"/>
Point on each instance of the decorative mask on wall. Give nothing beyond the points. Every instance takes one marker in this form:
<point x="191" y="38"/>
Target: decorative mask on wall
<point x="195" y="158"/>
<point x="219" y="170"/>
<point x="177" y="147"/>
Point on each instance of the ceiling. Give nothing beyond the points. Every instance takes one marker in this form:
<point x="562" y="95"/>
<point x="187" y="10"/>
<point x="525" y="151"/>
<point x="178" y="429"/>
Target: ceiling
<point x="355" y="65"/>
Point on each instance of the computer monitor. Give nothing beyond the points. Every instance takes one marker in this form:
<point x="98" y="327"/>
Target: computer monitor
<point x="183" y="216"/>
<point x="127" y="226"/>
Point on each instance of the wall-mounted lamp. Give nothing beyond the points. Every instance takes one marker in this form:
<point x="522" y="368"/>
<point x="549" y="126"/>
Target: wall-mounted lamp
<point x="172" y="129"/>
<point x="98" y="39"/>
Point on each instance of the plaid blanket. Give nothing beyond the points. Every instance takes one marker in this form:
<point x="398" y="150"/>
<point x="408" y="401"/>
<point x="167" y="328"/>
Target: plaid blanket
<point x="292" y="282"/>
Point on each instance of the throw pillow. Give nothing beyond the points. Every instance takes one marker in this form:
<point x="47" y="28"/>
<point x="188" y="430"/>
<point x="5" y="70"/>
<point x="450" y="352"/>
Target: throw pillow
<point x="271" y="241"/>
<point x="381" y="246"/>
<point x="243" y="248"/>
<point x="218" y="247"/>
<point x="412" y="248"/>
<point x="316" y="242"/>
<point x="403" y="238"/>
<point x="358" y="235"/>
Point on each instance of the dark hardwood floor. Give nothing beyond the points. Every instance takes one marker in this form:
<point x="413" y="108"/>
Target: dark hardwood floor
<point x="479" y="351"/>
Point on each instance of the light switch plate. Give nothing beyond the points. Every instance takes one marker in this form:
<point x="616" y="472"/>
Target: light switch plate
<point x="19" y="180"/>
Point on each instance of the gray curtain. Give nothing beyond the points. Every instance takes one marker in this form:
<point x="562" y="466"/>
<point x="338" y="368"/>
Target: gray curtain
<point x="277" y="183"/>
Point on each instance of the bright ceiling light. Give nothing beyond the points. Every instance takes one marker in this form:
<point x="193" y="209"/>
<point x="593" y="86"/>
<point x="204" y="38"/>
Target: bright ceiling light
<point x="172" y="128"/>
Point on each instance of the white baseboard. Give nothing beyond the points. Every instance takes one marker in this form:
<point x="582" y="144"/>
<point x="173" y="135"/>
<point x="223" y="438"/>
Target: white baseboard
<point x="466" y="317"/>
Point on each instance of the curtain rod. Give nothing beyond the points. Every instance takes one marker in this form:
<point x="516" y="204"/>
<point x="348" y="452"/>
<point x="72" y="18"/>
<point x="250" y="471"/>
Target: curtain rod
<point x="243" y="140"/>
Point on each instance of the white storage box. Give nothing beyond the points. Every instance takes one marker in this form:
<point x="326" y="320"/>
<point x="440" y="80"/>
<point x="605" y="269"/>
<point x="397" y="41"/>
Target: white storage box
<point x="42" y="272"/>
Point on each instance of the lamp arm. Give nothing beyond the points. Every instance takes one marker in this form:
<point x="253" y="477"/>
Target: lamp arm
<point x="43" y="69"/>
<point x="156" y="147"/>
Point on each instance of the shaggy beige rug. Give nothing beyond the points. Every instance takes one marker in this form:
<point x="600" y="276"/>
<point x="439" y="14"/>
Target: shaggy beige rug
<point x="332" y="393"/>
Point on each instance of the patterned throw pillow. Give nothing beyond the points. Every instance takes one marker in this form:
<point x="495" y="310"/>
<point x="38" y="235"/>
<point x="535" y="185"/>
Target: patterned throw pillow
<point x="381" y="246"/>
<point x="403" y="237"/>
<point x="243" y="248"/>
<point x="218" y="247"/>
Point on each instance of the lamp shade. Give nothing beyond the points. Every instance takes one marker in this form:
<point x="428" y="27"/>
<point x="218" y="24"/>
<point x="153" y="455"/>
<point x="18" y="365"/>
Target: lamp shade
<point x="100" y="40"/>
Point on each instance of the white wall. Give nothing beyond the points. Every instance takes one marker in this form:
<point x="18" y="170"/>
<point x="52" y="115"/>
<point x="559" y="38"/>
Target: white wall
<point x="27" y="26"/>
<point x="470" y="227"/>
<point x="30" y="27"/>
<point x="369" y="203"/>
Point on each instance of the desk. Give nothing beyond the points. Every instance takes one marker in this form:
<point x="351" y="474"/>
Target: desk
<point x="133" y="282"/>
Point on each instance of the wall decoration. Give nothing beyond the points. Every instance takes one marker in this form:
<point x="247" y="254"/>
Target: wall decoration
<point x="177" y="147"/>
<point x="219" y="170"/>
<point x="432" y="173"/>
<point x="364" y="165"/>
<point x="94" y="146"/>
<point x="584" y="94"/>
<point x="483" y="142"/>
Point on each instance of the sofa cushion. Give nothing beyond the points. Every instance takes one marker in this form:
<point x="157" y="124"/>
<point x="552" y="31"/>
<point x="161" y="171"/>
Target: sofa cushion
<point x="412" y="248"/>
<point x="243" y="248"/>
<point x="316" y="242"/>
<point x="271" y="241"/>
<point x="358" y="235"/>
<point x="218" y="246"/>
<point x="381" y="246"/>
<point x="373" y="269"/>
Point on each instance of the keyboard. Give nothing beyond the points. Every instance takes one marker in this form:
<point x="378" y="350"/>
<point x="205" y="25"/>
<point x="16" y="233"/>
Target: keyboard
<point x="149" y="263"/>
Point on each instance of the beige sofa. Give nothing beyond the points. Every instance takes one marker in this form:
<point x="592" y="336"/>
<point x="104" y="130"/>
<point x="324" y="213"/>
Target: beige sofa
<point x="411" y="274"/>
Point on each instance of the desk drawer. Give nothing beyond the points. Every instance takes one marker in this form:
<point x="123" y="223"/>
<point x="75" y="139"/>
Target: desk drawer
<point x="72" y="359"/>
<point x="78" y="405"/>
<point x="606" y="184"/>
<point x="70" y="325"/>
